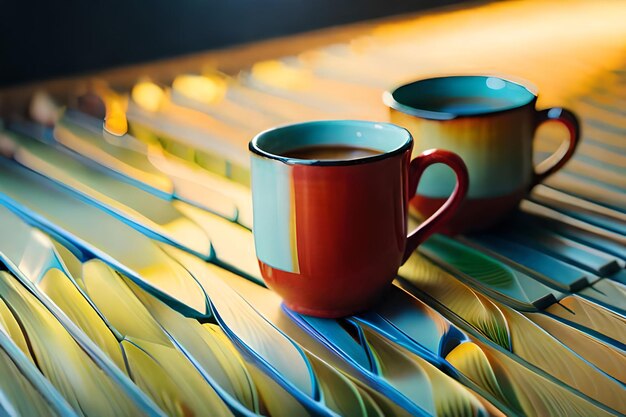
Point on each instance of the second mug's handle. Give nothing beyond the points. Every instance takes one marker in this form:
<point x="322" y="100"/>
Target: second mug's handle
<point x="416" y="169"/>
<point x="556" y="161"/>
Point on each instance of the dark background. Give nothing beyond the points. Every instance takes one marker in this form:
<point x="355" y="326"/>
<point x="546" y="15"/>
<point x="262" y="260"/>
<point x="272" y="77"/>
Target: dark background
<point x="44" y="39"/>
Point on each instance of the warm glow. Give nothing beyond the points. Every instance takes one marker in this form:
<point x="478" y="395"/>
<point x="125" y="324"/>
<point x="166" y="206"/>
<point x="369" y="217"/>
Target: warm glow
<point x="278" y="74"/>
<point x="207" y="89"/>
<point x="361" y="44"/>
<point x="115" y="121"/>
<point x="116" y="104"/>
<point x="148" y="95"/>
<point x="536" y="41"/>
<point x="310" y="57"/>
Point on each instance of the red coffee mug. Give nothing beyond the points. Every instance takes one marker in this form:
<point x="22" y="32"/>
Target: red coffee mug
<point x="330" y="234"/>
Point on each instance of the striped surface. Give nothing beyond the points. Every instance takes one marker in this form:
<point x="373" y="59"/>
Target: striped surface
<point x="130" y="264"/>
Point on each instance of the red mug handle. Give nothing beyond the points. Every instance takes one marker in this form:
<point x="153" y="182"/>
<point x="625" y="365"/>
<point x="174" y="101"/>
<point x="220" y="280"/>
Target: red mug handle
<point x="434" y="222"/>
<point x="559" y="158"/>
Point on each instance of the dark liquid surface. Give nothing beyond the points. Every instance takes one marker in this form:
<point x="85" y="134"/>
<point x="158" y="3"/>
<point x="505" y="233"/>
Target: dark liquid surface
<point x="469" y="105"/>
<point x="331" y="152"/>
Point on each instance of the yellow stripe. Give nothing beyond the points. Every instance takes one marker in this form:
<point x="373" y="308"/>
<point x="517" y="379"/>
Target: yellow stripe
<point x="292" y="225"/>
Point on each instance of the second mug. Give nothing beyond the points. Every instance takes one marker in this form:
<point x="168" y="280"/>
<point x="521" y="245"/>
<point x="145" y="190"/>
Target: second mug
<point x="490" y="122"/>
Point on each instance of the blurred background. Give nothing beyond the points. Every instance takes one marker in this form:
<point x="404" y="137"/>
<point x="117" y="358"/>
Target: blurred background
<point x="124" y="130"/>
<point x="45" y="39"/>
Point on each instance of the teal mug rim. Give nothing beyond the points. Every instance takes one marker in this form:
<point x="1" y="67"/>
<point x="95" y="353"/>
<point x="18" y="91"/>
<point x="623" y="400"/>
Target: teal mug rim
<point x="392" y="102"/>
<point x="407" y="141"/>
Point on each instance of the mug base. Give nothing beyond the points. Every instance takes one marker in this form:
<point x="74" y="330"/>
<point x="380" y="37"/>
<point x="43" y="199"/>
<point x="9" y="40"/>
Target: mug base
<point x="474" y="215"/>
<point x="327" y="296"/>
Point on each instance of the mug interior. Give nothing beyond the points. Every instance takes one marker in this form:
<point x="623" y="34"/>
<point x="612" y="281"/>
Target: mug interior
<point x="456" y="96"/>
<point x="386" y="138"/>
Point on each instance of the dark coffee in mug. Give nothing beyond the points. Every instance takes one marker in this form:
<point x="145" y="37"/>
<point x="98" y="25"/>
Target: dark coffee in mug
<point x="331" y="152"/>
<point x="468" y="106"/>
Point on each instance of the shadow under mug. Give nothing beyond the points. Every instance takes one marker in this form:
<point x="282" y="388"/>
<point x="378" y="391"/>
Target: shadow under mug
<point x="331" y="234"/>
<point x="490" y="122"/>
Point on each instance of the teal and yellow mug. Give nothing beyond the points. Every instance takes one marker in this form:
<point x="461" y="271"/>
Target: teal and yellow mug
<point x="490" y="122"/>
